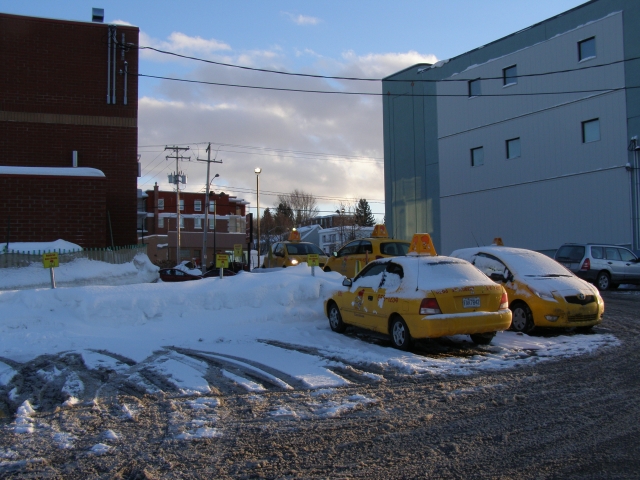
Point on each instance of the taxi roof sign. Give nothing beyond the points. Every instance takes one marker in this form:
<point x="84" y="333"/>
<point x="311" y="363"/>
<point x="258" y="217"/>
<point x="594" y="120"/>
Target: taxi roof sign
<point x="380" y="231"/>
<point x="421" y="244"/>
<point x="294" y="236"/>
<point x="498" y="241"/>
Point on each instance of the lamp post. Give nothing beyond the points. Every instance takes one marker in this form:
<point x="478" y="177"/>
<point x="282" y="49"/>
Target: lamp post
<point x="207" y="202"/>
<point x="257" y="172"/>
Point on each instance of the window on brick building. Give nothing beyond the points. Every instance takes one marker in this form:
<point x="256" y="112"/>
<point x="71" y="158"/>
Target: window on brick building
<point x="160" y="222"/>
<point x="181" y="221"/>
<point x="197" y="223"/>
<point x="197" y="205"/>
<point x="212" y="225"/>
<point x="161" y="204"/>
<point x="181" y="205"/>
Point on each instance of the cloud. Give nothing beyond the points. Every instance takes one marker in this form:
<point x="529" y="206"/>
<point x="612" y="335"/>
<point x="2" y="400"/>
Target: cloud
<point x="122" y="22"/>
<point x="302" y="19"/>
<point x="181" y="43"/>
<point x="325" y="144"/>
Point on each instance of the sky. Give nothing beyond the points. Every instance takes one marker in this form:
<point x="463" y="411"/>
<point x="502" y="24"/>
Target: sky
<point x="328" y="145"/>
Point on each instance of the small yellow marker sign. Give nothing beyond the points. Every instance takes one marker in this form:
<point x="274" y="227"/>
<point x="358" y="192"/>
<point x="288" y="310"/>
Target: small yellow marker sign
<point x="313" y="260"/>
<point x="50" y="260"/>
<point x="222" y="260"/>
<point x="237" y="250"/>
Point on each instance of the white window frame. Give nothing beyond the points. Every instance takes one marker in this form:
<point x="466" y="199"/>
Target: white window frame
<point x="181" y="204"/>
<point x="181" y="222"/>
<point x="212" y="206"/>
<point x="197" y="205"/>
<point x="197" y="223"/>
<point x="473" y="156"/>
<point x="161" y="204"/>
<point x="160" y="222"/>
<point x="212" y="225"/>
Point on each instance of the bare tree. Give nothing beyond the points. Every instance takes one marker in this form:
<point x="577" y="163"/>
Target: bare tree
<point x="303" y="206"/>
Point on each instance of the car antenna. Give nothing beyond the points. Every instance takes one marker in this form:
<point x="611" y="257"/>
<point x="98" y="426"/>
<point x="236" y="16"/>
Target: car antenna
<point x="474" y="238"/>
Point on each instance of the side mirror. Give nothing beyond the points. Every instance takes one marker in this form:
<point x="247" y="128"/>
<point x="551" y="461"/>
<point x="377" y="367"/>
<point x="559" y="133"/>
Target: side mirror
<point x="497" y="277"/>
<point x="335" y="254"/>
<point x="347" y="282"/>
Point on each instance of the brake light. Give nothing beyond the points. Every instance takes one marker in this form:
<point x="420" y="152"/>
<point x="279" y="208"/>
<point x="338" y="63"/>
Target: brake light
<point x="586" y="265"/>
<point x="504" y="302"/>
<point x="378" y="257"/>
<point x="429" y="306"/>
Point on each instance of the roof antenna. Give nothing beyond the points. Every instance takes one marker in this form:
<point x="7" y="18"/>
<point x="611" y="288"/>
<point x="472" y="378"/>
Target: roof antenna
<point x="474" y="239"/>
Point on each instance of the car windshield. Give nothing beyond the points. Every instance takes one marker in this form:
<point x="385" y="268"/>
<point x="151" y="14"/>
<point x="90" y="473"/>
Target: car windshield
<point x="303" y="249"/>
<point x="394" y="248"/>
<point x="534" y="264"/>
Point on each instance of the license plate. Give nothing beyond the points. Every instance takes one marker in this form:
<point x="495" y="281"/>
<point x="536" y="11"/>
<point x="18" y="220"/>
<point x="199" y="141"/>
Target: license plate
<point x="471" y="302"/>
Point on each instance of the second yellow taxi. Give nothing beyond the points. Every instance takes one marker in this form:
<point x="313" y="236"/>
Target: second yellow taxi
<point x="421" y="295"/>
<point x="292" y="252"/>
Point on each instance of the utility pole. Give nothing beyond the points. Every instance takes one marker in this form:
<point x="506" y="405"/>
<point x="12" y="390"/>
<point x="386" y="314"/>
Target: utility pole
<point x="176" y="178"/>
<point x="206" y="211"/>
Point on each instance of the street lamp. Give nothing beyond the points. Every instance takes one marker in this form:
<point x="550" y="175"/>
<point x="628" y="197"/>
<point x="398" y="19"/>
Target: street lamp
<point x="207" y="202"/>
<point x="257" y="172"/>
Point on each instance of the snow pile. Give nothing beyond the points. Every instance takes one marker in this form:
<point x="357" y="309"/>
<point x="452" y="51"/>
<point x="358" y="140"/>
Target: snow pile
<point x="79" y="272"/>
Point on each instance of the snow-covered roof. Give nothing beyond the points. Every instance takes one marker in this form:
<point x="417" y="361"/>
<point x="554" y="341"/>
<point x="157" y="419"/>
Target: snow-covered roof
<point x="52" y="171"/>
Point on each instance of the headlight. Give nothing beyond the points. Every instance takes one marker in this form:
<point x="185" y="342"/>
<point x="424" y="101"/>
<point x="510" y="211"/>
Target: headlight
<point x="544" y="295"/>
<point x="551" y="318"/>
<point x="294" y="261"/>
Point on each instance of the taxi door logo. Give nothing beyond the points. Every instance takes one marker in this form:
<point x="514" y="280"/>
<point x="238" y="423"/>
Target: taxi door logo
<point x="359" y="300"/>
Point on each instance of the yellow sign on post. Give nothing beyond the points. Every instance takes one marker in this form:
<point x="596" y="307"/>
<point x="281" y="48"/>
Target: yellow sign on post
<point x="237" y="250"/>
<point x="222" y="260"/>
<point x="50" y="260"/>
<point x="313" y="260"/>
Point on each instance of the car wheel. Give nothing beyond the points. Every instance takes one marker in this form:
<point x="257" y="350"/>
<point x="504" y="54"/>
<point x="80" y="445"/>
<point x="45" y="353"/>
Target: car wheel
<point x="335" y="319"/>
<point x="521" y="318"/>
<point x="400" y="336"/>
<point x="604" y="281"/>
<point x="483" y="338"/>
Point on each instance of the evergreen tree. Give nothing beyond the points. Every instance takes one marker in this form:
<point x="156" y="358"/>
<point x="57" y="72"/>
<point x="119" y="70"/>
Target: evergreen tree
<point x="363" y="215"/>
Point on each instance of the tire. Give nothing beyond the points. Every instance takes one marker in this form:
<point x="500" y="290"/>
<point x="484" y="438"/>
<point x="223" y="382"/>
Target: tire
<point x="588" y="329"/>
<point x="522" y="318"/>
<point x="483" y="338"/>
<point x="603" y="282"/>
<point x="335" y="319"/>
<point x="400" y="336"/>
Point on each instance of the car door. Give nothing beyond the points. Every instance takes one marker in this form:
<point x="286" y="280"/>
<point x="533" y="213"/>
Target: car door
<point x="278" y="255"/>
<point x="615" y="264"/>
<point x="346" y="261"/>
<point x="631" y="266"/>
<point x="363" y="295"/>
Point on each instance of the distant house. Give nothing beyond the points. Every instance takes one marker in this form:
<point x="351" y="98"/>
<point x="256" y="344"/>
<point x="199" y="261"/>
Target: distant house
<point x="227" y="224"/>
<point x="68" y="131"/>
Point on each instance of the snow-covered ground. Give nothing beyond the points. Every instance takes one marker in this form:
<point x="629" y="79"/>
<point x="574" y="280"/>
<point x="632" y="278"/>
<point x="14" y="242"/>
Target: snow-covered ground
<point x="270" y="324"/>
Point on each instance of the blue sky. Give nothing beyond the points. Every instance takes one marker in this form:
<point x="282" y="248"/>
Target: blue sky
<point x="341" y="138"/>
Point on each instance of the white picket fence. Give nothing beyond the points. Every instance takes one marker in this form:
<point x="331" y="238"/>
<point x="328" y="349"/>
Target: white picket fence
<point x="117" y="256"/>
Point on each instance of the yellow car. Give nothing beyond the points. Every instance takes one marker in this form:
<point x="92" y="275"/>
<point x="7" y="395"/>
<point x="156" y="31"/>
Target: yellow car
<point x="421" y="295"/>
<point x="356" y="254"/>
<point x="542" y="292"/>
<point x="292" y="253"/>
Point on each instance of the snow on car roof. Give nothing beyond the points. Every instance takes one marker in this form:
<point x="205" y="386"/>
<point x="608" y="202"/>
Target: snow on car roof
<point x="437" y="273"/>
<point x="519" y="260"/>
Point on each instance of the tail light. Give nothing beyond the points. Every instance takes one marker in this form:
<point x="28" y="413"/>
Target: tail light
<point x="586" y="265"/>
<point x="504" y="302"/>
<point x="429" y="306"/>
<point x="378" y="257"/>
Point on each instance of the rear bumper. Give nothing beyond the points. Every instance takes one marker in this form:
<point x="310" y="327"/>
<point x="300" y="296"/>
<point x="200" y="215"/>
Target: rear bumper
<point x="433" y="326"/>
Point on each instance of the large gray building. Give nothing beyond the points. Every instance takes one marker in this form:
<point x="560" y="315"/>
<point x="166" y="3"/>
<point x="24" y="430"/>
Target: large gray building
<point x="530" y="138"/>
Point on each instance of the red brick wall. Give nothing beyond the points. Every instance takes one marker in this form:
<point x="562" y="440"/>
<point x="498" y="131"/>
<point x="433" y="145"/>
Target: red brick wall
<point x="53" y="100"/>
<point x="48" y="208"/>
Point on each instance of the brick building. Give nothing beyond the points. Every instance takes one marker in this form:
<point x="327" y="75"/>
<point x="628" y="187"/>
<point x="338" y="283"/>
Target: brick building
<point x="68" y="98"/>
<point x="227" y="224"/>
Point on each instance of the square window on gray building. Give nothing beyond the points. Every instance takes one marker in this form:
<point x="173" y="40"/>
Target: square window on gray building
<point x="513" y="148"/>
<point x="591" y="130"/>
<point x="474" y="88"/>
<point x="510" y="75"/>
<point x="587" y="49"/>
<point x="477" y="157"/>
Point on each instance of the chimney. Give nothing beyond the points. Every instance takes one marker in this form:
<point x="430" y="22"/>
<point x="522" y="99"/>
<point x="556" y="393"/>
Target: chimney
<point x="97" y="15"/>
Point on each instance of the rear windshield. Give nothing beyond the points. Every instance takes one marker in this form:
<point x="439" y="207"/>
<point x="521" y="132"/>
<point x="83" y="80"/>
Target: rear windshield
<point x="449" y="273"/>
<point x="303" y="249"/>
<point x="397" y="249"/>
<point x="570" y="253"/>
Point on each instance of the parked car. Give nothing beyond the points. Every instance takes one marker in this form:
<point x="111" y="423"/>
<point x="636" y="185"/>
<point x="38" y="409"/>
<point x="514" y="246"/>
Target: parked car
<point x="362" y="251"/>
<point x="542" y="293"/>
<point x="605" y="265"/>
<point x="176" y="275"/>
<point x="215" y="272"/>
<point x="292" y="252"/>
<point x="420" y="296"/>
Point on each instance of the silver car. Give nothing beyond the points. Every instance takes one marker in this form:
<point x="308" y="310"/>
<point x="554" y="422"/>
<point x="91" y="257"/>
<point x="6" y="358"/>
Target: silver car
<point x="607" y="266"/>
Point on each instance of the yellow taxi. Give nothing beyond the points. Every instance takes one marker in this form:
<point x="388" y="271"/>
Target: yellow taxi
<point x="356" y="254"/>
<point x="292" y="252"/>
<point x="542" y="292"/>
<point x="421" y="295"/>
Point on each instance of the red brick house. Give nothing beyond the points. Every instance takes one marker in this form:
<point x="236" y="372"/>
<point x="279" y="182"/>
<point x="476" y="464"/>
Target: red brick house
<point x="68" y="99"/>
<point x="226" y="227"/>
